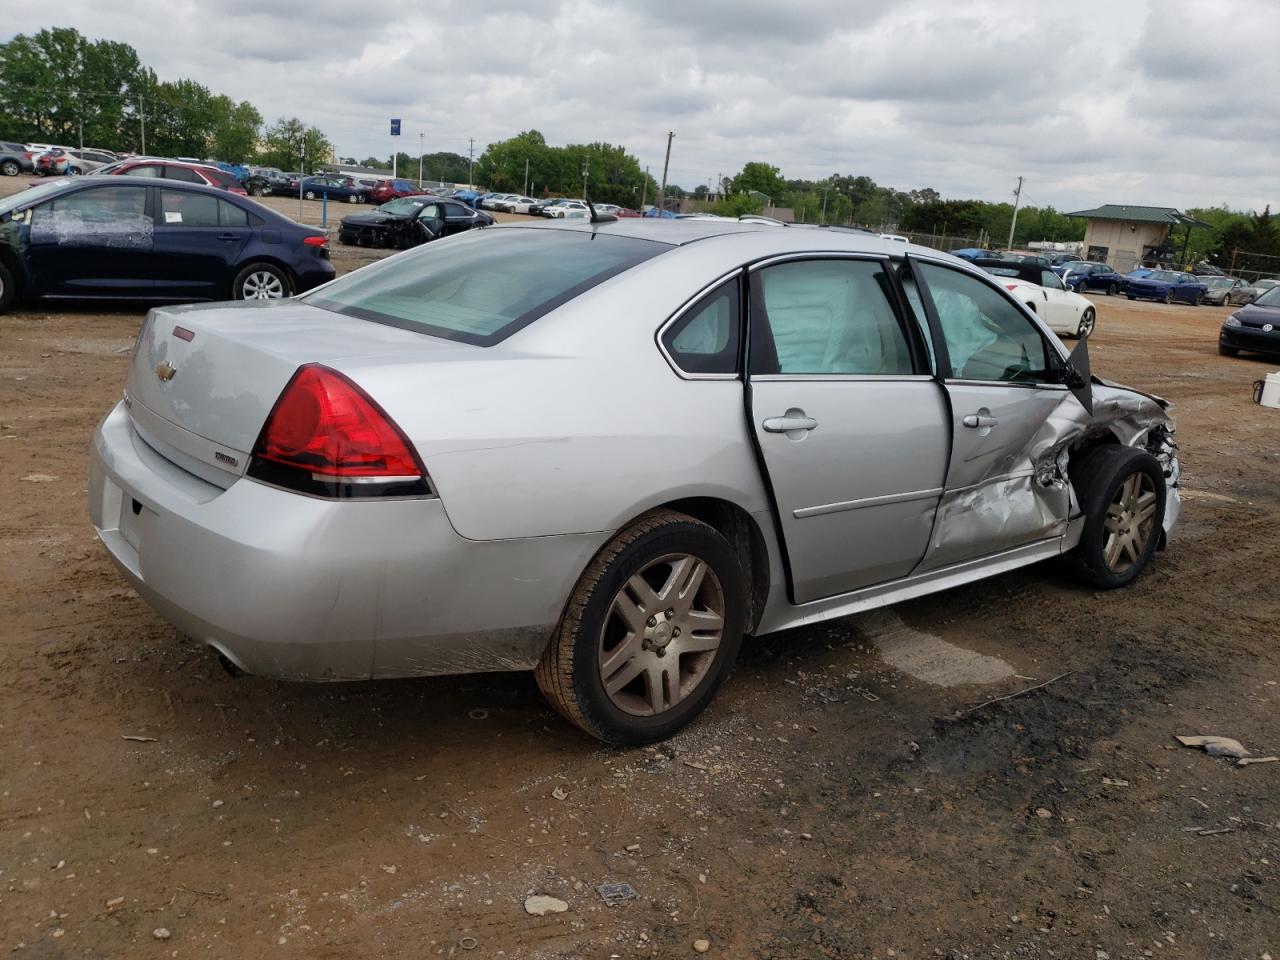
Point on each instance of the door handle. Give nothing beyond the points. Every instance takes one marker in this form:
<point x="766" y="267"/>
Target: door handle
<point x="227" y="236"/>
<point x="976" y="421"/>
<point x="788" y="423"/>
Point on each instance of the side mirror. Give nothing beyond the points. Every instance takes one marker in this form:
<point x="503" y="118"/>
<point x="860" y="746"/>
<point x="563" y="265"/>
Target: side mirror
<point x="1076" y="375"/>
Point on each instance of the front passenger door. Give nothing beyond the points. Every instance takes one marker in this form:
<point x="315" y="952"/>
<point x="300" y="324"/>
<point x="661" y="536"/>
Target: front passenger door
<point x="1001" y="375"/>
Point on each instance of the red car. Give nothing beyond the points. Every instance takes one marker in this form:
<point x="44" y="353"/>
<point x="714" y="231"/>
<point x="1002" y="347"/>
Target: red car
<point x="391" y="190"/>
<point x="178" y="170"/>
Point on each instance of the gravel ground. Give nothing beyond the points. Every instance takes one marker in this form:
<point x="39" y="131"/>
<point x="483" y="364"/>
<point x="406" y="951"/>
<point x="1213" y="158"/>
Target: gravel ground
<point x="840" y="799"/>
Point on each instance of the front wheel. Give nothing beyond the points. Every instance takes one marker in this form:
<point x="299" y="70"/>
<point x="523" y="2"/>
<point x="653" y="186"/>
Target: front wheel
<point x="1168" y="296"/>
<point x="1113" y="290"/>
<point x="74" y="171"/>
<point x="1087" y="320"/>
<point x="650" y="632"/>
<point x="10" y="168"/>
<point x="353" y="198"/>
<point x="1122" y="493"/>
<point x="1199" y="298"/>
<point x="260" y="281"/>
<point x="1131" y="296"/>
<point x="310" y="194"/>
<point x="257" y="190"/>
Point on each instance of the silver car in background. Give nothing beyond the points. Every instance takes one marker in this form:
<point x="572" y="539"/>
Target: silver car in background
<point x="604" y="451"/>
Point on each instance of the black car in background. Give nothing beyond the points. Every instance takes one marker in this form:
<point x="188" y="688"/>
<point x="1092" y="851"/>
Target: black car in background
<point x="269" y="181"/>
<point x="408" y="221"/>
<point x="122" y="238"/>
<point x="1254" y="328"/>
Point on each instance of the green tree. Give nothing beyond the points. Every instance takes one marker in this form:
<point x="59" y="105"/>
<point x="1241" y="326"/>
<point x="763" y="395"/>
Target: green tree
<point x="289" y="139"/>
<point x="760" y="177"/>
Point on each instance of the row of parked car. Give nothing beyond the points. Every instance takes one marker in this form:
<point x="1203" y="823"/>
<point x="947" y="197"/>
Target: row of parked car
<point x="555" y="208"/>
<point x="1206" y="286"/>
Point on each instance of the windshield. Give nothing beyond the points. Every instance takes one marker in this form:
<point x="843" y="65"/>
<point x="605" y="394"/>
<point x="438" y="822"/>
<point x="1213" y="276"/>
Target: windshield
<point x="402" y="207"/>
<point x="1264" y="284"/>
<point x="1164" y="276"/>
<point x="483" y="286"/>
<point x="30" y="196"/>
<point x="1269" y="299"/>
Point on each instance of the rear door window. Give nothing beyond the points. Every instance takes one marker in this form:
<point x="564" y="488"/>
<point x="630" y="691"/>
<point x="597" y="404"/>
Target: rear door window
<point x="183" y="174"/>
<point x="181" y="209"/>
<point x="482" y="286"/>
<point x="147" y="170"/>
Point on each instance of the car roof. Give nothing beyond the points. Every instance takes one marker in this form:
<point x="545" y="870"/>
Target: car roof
<point x="183" y="186"/>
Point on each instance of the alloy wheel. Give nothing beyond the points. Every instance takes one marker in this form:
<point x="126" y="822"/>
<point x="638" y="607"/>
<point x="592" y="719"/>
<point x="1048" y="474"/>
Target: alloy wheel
<point x="10" y="168"/>
<point x="1087" y="320"/>
<point x="262" y="285"/>
<point x="661" y="634"/>
<point x="1130" y="522"/>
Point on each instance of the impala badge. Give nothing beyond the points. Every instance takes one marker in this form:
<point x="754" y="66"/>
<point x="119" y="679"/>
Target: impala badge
<point x="165" y="370"/>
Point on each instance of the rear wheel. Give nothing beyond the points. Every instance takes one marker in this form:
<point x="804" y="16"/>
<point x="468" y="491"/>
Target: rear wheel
<point x="1168" y="296"/>
<point x="1199" y="298"/>
<point x="1113" y="290"/>
<point x="1087" y="321"/>
<point x="310" y="194"/>
<point x="8" y="289"/>
<point x="353" y="198"/>
<point x="10" y="168"/>
<point x="260" y="281"/>
<point x="651" y="631"/>
<point x="257" y="190"/>
<point x="1122" y="493"/>
<point x="74" y="171"/>
<point x="1131" y="296"/>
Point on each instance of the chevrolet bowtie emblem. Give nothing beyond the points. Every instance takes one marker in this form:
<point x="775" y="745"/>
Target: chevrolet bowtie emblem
<point x="165" y="370"/>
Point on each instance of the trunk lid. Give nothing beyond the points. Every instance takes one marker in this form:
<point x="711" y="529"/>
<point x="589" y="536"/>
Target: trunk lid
<point x="204" y="377"/>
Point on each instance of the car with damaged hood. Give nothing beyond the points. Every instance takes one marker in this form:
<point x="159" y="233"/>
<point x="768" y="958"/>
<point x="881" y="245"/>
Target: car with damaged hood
<point x="1220" y="289"/>
<point x="1254" y="328"/>
<point x="604" y="450"/>
<point x="119" y="238"/>
<point x="1046" y="295"/>
<point x="409" y="221"/>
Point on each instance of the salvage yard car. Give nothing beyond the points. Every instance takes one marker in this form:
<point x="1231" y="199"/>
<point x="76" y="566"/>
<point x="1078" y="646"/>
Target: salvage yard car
<point x="123" y="239"/>
<point x="572" y="448"/>
<point x="1063" y="311"/>
<point x="409" y="221"/>
<point x="1254" y="328"/>
<point x="1167" y="285"/>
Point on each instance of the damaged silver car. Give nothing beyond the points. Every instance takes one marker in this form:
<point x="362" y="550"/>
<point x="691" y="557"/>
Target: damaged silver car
<point x="605" y="451"/>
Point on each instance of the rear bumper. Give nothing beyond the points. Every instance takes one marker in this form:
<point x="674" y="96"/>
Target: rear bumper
<point x="311" y="273"/>
<point x="301" y="588"/>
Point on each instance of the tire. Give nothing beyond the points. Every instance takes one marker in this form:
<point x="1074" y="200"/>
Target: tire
<point x="310" y="194"/>
<point x="260" y="281"/>
<point x="1087" y="321"/>
<point x="8" y="289"/>
<point x="1226" y="351"/>
<point x="257" y="190"/>
<point x="1113" y="290"/>
<point x="10" y="168"/>
<point x="1131" y="296"/>
<point x="1199" y="299"/>
<point x="74" y="171"/>
<point x="353" y="198"/>
<point x="1122" y="526"/>
<point x="645" y="559"/>
<point x="1168" y="296"/>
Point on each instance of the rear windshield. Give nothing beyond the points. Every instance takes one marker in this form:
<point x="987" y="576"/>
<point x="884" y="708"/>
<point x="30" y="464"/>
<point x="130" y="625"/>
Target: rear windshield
<point x="483" y="286"/>
<point x="222" y="178"/>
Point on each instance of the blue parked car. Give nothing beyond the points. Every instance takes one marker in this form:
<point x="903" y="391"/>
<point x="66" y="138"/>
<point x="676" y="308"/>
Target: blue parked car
<point x="125" y="238"/>
<point x="1167" y="285"/>
<point x="335" y="188"/>
<point x="469" y="197"/>
<point x="1083" y="275"/>
<point x="237" y="170"/>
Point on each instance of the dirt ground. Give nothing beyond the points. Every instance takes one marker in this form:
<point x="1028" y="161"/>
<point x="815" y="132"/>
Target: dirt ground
<point x="847" y="795"/>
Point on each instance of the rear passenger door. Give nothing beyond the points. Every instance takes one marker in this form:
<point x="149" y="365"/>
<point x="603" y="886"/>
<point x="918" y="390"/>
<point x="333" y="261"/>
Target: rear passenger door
<point x="199" y="238"/>
<point x="852" y="429"/>
<point x="457" y="218"/>
<point x="93" y="242"/>
<point x="1002" y="378"/>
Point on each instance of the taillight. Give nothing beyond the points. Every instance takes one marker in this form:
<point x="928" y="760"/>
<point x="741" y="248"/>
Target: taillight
<point x="1011" y="286"/>
<point x="314" y="241"/>
<point x="327" y="437"/>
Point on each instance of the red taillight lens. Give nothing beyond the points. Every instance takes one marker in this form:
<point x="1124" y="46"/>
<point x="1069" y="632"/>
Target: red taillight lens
<point x="1011" y="286"/>
<point x="315" y="241"/>
<point x="328" y="437"/>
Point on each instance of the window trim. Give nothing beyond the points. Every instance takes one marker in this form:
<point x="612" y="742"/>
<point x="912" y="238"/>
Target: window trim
<point x="690" y="304"/>
<point x="917" y="350"/>
<point x="1053" y="347"/>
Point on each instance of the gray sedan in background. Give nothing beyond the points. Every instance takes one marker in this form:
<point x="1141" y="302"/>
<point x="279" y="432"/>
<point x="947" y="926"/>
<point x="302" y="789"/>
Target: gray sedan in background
<point x="605" y="451"/>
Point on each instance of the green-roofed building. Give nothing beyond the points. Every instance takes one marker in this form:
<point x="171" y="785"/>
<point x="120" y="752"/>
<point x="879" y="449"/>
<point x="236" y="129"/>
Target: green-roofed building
<point x="1125" y="236"/>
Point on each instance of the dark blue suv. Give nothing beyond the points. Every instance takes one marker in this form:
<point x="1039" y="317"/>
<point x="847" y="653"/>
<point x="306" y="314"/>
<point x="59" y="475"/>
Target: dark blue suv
<point x="124" y="239"/>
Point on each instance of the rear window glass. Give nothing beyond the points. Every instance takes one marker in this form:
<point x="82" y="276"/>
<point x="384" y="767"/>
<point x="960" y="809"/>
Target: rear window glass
<point x="222" y="178"/>
<point x="483" y="286"/>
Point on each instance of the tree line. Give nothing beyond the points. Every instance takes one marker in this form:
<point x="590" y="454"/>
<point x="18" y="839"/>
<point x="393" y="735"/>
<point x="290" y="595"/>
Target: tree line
<point x="57" y="86"/>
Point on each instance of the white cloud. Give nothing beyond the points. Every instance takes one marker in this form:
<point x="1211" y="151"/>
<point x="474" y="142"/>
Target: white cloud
<point x="1141" y="102"/>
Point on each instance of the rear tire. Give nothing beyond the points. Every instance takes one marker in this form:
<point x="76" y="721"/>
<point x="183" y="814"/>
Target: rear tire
<point x="260" y="281"/>
<point x="8" y="289"/>
<point x="1122" y="493"/>
<point x="1168" y="296"/>
<point x="10" y="168"/>
<point x="310" y="194"/>
<point x="624" y="619"/>
<point x="1087" y="321"/>
<point x="257" y="190"/>
<point x="1131" y="296"/>
<point x="1226" y="351"/>
<point x="1113" y="290"/>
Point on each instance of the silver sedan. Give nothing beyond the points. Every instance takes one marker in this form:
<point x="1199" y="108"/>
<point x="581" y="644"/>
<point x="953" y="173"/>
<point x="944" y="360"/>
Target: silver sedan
<point x="605" y="451"/>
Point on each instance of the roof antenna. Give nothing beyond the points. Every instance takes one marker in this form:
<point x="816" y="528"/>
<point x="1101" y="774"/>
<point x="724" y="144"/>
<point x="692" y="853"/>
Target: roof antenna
<point x="599" y="217"/>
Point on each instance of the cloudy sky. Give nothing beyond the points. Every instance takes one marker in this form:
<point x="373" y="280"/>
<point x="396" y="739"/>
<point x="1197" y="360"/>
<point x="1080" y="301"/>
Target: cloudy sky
<point x="1169" y="103"/>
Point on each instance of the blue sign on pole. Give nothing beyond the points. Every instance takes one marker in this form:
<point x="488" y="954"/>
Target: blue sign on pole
<point x="395" y="128"/>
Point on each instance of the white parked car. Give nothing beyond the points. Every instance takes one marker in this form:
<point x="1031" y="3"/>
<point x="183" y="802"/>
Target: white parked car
<point x="569" y="208"/>
<point x="516" y="204"/>
<point x="1064" y="311"/>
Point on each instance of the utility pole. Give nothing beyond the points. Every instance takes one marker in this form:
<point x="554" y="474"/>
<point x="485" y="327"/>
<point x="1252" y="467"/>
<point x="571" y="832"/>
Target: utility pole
<point x="142" y="118"/>
<point x="584" y="177"/>
<point x="644" y="193"/>
<point x="302" y="171"/>
<point x="421" y="150"/>
<point x="662" y="197"/>
<point x="471" y="164"/>
<point x="526" y="176"/>
<point x="1017" y="197"/>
